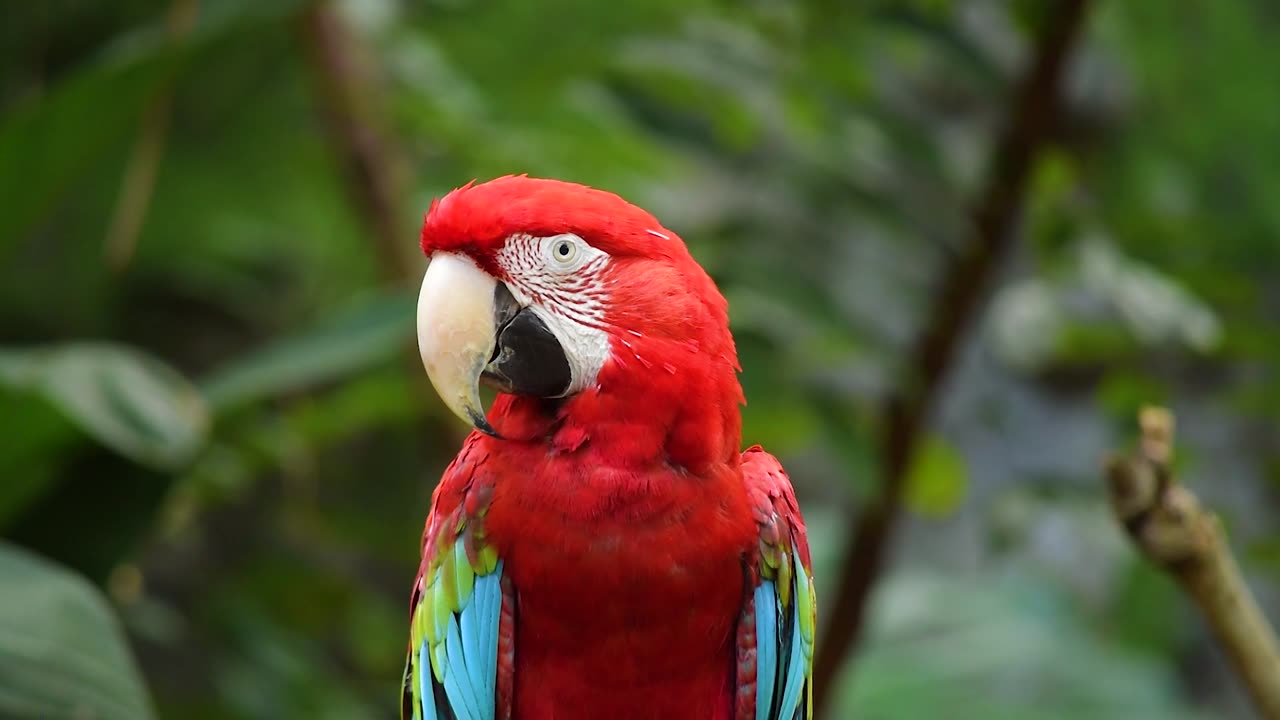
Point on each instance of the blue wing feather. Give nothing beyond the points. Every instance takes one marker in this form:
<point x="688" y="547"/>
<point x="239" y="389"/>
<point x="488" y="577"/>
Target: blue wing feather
<point x="457" y="683"/>
<point x="425" y="690"/>
<point x="783" y="651"/>
<point x="489" y="592"/>
<point x="471" y="649"/>
<point x="470" y="658"/>
<point x="766" y="600"/>
<point x="795" y="669"/>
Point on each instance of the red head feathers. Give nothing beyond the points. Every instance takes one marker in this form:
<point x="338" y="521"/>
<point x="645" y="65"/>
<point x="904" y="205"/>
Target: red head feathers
<point x="477" y="219"/>
<point x="643" y="328"/>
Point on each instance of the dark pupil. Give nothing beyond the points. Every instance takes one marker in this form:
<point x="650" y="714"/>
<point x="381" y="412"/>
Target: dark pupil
<point x="563" y="249"/>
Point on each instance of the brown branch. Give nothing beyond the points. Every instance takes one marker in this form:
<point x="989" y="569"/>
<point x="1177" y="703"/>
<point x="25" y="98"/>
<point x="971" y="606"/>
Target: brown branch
<point x="138" y="184"/>
<point x="964" y="283"/>
<point x="373" y="169"/>
<point x="347" y="83"/>
<point x="1179" y="536"/>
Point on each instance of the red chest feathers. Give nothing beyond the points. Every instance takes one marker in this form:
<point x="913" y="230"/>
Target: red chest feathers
<point x="629" y="586"/>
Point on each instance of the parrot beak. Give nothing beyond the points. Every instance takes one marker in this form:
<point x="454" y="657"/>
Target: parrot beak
<point x="472" y="329"/>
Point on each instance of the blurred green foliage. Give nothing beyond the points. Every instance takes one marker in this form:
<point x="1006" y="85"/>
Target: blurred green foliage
<point x="63" y="653"/>
<point x="225" y="428"/>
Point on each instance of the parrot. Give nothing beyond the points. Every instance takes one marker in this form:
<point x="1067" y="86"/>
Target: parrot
<point x="600" y="547"/>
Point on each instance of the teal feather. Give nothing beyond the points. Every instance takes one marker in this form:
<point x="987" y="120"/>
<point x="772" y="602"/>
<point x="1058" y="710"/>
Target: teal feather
<point x="766" y="605"/>
<point x="795" y="671"/>
<point x="459" y="655"/>
<point x="462" y="696"/>
<point x="426" y="695"/>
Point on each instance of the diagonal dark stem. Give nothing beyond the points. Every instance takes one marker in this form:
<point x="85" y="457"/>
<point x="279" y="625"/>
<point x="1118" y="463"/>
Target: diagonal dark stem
<point x="138" y="184"/>
<point x="347" y="85"/>
<point x="964" y="285"/>
<point x="347" y="89"/>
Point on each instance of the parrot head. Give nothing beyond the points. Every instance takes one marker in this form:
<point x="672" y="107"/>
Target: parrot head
<point x="572" y="303"/>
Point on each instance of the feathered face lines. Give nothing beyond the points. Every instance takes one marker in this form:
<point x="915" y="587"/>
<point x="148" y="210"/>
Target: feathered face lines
<point x="560" y="279"/>
<point x="562" y="274"/>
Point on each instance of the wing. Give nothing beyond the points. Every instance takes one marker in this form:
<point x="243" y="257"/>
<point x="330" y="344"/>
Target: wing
<point x="776" y="632"/>
<point x="460" y="641"/>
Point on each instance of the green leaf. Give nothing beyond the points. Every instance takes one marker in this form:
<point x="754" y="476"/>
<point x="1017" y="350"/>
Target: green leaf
<point x="364" y="335"/>
<point x="50" y="140"/>
<point x="1146" y="612"/>
<point x="127" y="400"/>
<point x="62" y="653"/>
<point x="937" y="481"/>
<point x="36" y="434"/>
<point x="998" y="645"/>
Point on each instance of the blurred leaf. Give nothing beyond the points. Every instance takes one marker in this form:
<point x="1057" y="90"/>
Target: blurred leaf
<point x="62" y="653"/>
<point x="1265" y="554"/>
<point x="35" y="433"/>
<point x="1105" y="305"/>
<point x="53" y="137"/>
<point x="1147" y="611"/>
<point x="46" y="143"/>
<point x="934" y="639"/>
<point x="94" y="511"/>
<point x="938" y="479"/>
<point x="362" y="336"/>
<point x="849" y="439"/>
<point x="127" y="400"/>
<point x="1122" y="393"/>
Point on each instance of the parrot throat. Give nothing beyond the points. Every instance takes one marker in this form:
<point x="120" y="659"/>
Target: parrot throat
<point x="657" y="401"/>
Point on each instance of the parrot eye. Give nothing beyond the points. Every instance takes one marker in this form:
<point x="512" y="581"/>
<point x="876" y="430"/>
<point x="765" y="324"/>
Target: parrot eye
<point x="564" y="252"/>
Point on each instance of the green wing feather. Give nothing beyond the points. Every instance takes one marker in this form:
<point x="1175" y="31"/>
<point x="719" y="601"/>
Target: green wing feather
<point x="451" y="668"/>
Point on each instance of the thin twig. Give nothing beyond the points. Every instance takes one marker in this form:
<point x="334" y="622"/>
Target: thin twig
<point x="140" y="174"/>
<point x="348" y="84"/>
<point x="1179" y="536"/>
<point x="964" y="284"/>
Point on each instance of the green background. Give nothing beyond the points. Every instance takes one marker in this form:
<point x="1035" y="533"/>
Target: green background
<point x="217" y="446"/>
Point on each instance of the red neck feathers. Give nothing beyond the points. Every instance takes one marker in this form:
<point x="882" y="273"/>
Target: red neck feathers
<point x="668" y="393"/>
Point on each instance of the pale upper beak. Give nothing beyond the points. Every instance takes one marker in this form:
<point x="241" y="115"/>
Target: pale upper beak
<point x="456" y="333"/>
<point x="471" y="329"/>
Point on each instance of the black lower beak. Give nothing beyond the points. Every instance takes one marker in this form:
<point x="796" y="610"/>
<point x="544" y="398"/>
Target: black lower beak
<point x="527" y="357"/>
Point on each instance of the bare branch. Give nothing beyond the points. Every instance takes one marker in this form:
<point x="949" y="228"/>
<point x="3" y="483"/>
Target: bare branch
<point x="1181" y="537"/>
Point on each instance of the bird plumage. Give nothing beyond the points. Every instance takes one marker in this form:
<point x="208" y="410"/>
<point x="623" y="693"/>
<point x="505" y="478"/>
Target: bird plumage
<point x="612" y="554"/>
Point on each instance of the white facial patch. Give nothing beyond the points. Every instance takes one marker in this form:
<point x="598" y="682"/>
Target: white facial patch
<point x="560" y="278"/>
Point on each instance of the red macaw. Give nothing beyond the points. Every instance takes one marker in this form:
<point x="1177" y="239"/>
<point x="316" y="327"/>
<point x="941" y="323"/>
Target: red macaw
<point x="599" y="548"/>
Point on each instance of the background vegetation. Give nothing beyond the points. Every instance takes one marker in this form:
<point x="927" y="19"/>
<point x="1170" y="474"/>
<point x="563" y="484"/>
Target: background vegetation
<point x="217" y="446"/>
